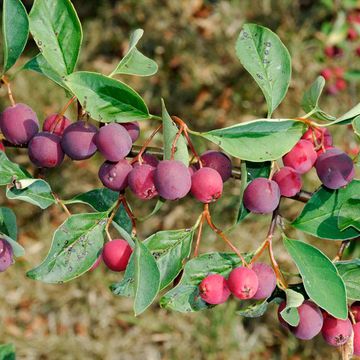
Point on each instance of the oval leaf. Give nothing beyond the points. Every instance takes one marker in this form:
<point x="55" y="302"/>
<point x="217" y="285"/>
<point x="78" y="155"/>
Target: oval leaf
<point x="10" y="171"/>
<point x="8" y="222"/>
<point x="350" y="273"/>
<point x="356" y="125"/>
<point x="290" y="313"/>
<point x="7" y="352"/>
<point x="349" y="214"/>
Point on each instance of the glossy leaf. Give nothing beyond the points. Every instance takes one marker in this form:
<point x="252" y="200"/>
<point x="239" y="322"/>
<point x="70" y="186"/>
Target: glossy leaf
<point x="107" y="99"/>
<point x="14" y="16"/>
<point x="350" y="273"/>
<point x="265" y="57"/>
<point x="57" y="32"/>
<point x="250" y="141"/>
<point x="349" y="214"/>
<point x="76" y="246"/>
<point x="321" y="279"/>
<point x="320" y="215"/>
<point x="10" y="171"/>
<point x="290" y="313"/>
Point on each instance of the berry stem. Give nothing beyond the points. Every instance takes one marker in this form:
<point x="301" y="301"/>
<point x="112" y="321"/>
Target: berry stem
<point x="344" y="244"/>
<point x="176" y="138"/>
<point x="130" y="214"/>
<point x="113" y="210"/>
<point x="60" y="115"/>
<point x="198" y="238"/>
<point x="6" y="82"/>
<point x="59" y="201"/>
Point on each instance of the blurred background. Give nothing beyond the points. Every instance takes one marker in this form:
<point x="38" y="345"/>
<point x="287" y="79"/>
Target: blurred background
<point x="202" y="82"/>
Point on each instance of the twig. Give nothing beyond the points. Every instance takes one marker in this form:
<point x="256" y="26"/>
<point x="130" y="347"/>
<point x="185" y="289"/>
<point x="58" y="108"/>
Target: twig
<point x="198" y="238"/>
<point x="58" y="201"/>
<point x="6" y="82"/>
<point x="130" y="214"/>
<point x="344" y="244"/>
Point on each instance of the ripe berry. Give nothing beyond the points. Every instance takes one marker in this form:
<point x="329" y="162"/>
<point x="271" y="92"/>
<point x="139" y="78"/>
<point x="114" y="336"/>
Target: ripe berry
<point x="262" y="196"/>
<point x="113" y="142"/>
<point x="318" y="136"/>
<point x="19" y="123"/>
<point x="172" y="179"/>
<point x="336" y="332"/>
<point x="141" y="181"/>
<point x="356" y="330"/>
<point x="355" y="310"/>
<point x="327" y="73"/>
<point x="243" y="283"/>
<point x="323" y="149"/>
<point x="340" y="84"/>
<point x="335" y="168"/>
<point x="45" y="150"/>
<point x="78" y="140"/>
<point x="267" y="280"/>
<point x="289" y="181"/>
<point x="352" y="34"/>
<point x="214" y="289"/>
<point x="206" y="185"/>
<point x="301" y="157"/>
<point x="133" y="129"/>
<point x="333" y="51"/>
<point x="357" y="51"/>
<point x="6" y="255"/>
<point x="2" y="146"/>
<point x="115" y="175"/>
<point x="332" y="89"/>
<point x="56" y="124"/>
<point x="116" y="254"/>
<point x="339" y="72"/>
<point x="218" y="161"/>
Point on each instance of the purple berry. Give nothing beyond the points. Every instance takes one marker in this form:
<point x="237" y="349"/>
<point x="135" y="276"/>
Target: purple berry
<point x="301" y="157"/>
<point x="206" y="185"/>
<point x="62" y="122"/>
<point x="289" y="181"/>
<point x="320" y="135"/>
<point x="45" y="150"/>
<point x="78" y="140"/>
<point x="336" y="332"/>
<point x="214" y="289"/>
<point x="335" y="168"/>
<point x="141" y="181"/>
<point x="218" y="161"/>
<point x="267" y="280"/>
<point x="115" y="175"/>
<point x="113" y="142"/>
<point x="19" y="123"/>
<point x="262" y="196"/>
<point x="133" y="129"/>
<point x="243" y="283"/>
<point x="356" y="330"/>
<point x="6" y="255"/>
<point x="172" y="179"/>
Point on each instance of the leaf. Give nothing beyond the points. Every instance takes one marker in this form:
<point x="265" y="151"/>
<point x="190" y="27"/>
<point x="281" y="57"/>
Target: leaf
<point x="169" y="132"/>
<point x="265" y="57"/>
<point x="14" y="17"/>
<point x="18" y="250"/>
<point x="159" y="203"/>
<point x="102" y="200"/>
<point x="126" y="287"/>
<point x="7" y="352"/>
<point x="348" y="117"/>
<point x="254" y="310"/>
<point x="8" y="222"/>
<point x="57" y="32"/>
<point x="350" y="273"/>
<point x="352" y="75"/>
<point x="106" y="99"/>
<point x="147" y="278"/>
<point x="75" y="247"/>
<point x="33" y="191"/>
<point x="258" y="140"/>
<point x="356" y="125"/>
<point x="349" y="214"/>
<point x="310" y="100"/>
<point x="290" y="313"/>
<point x="134" y="62"/>
<point x="10" y="171"/>
<point x="320" y="215"/>
<point x="321" y="280"/>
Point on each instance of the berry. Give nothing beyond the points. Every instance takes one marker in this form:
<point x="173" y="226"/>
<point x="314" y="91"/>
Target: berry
<point x="116" y="254"/>
<point x="206" y="185"/>
<point x="19" y="123"/>
<point x="356" y="330"/>
<point x="340" y="84"/>
<point x="150" y="160"/>
<point x="339" y="72"/>
<point x="133" y="129"/>
<point x="218" y="161"/>
<point x="78" y="140"/>
<point x="327" y="73"/>
<point x="214" y="289"/>
<point x="289" y="181"/>
<point x="141" y="181"/>
<point x="355" y="310"/>
<point x="323" y="149"/>
<point x="357" y="51"/>
<point x="45" y="150"/>
<point x="115" y="175"/>
<point x="62" y="122"/>
<point x="113" y="142"/>
<point x="283" y="323"/>
<point x="172" y="179"/>
<point x="352" y="34"/>
<point x="318" y="136"/>
<point x="243" y="283"/>
<point x="262" y="196"/>
<point x="335" y="168"/>
<point x="333" y="51"/>
<point x="97" y="263"/>
<point x="267" y="280"/>
<point x="336" y="332"/>
<point x="301" y="157"/>
<point x="332" y="89"/>
<point x="2" y="146"/>
<point x="6" y="255"/>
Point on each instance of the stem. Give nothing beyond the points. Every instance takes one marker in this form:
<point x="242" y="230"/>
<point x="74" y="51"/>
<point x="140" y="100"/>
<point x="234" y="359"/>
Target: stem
<point x="60" y="115"/>
<point x="344" y="244"/>
<point x="198" y="238"/>
<point x="5" y="81"/>
<point x="113" y="213"/>
<point x="130" y="214"/>
<point x="59" y="201"/>
<point x="173" y="147"/>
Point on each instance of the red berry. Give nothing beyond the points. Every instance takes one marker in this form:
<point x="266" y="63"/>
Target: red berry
<point x="326" y="73"/>
<point x="301" y="157"/>
<point x="352" y="34"/>
<point x="341" y="84"/>
<point x="336" y="332"/>
<point x="214" y="289"/>
<point x="116" y="254"/>
<point x="243" y="283"/>
<point x="289" y="181"/>
<point x="141" y="181"/>
<point x="206" y="185"/>
<point x="318" y="136"/>
<point x="2" y="146"/>
<point x="56" y="124"/>
<point x="355" y="310"/>
<point x="97" y="263"/>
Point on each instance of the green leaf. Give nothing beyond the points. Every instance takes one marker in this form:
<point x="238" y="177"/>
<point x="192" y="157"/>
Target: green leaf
<point x="349" y="214"/>
<point x="321" y="280"/>
<point x="102" y="200"/>
<point x="8" y="222"/>
<point x="254" y="310"/>
<point x="350" y="273"/>
<point x="126" y="287"/>
<point x="352" y="75"/>
<point x="10" y="171"/>
<point x="258" y="140"/>
<point x="134" y="62"/>
<point x="265" y="57"/>
<point x="320" y="215"/>
<point x="290" y="313"/>
<point x="310" y="100"/>
<point x="356" y="125"/>
<point x="7" y="352"/>
<point x="16" y="247"/>
<point x="348" y="117"/>
<point x="106" y="99"/>
<point x="147" y="278"/>
<point x="33" y="191"/>
<point x="57" y="32"/>
<point x="169" y="132"/>
<point x="159" y="204"/>
<point x="41" y="66"/>
<point x="75" y="247"/>
<point x="15" y="29"/>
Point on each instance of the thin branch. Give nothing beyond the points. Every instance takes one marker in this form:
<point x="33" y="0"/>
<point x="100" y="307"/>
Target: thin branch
<point x="6" y="82"/>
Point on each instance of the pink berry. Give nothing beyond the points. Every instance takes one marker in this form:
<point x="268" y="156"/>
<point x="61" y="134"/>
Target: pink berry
<point x="336" y="332"/>
<point x="141" y="181"/>
<point x="301" y="157"/>
<point x="339" y="72"/>
<point x="318" y="136"/>
<point x="218" y="161"/>
<point x="206" y="185"/>
<point x="115" y="175"/>
<point x="214" y="289"/>
<point x="289" y="181"/>
<point x="340" y="84"/>
<point x="243" y="283"/>
<point x="356" y="330"/>
<point x="326" y="73"/>
<point x="6" y="255"/>
<point x="352" y="34"/>
<point x="332" y="90"/>
<point x="267" y="280"/>
<point x="56" y="124"/>
<point x="116" y="254"/>
<point x="133" y="129"/>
